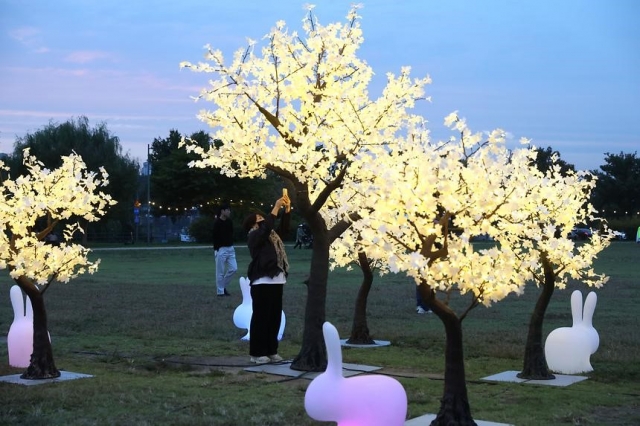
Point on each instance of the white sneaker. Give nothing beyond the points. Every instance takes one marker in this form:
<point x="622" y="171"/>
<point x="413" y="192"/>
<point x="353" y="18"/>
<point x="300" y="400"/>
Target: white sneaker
<point x="261" y="360"/>
<point x="419" y="310"/>
<point x="275" y="358"/>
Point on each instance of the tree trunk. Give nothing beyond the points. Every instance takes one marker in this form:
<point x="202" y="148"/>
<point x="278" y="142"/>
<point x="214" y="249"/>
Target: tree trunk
<point x="41" y="365"/>
<point x="454" y="405"/>
<point x="535" y="364"/>
<point x="313" y="353"/>
<point x="359" y="328"/>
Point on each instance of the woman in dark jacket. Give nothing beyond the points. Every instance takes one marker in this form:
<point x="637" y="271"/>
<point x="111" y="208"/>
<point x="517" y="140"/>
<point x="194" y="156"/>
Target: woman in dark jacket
<point x="267" y="274"/>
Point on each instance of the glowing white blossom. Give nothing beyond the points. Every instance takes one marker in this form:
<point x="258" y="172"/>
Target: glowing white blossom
<point x="299" y="105"/>
<point x="67" y="192"/>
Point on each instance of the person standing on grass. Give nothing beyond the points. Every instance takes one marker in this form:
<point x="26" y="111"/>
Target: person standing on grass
<point x="223" y="250"/>
<point x="267" y="275"/>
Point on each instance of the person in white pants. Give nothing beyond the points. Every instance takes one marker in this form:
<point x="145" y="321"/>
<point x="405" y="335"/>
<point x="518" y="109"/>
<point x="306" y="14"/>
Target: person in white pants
<point x="225" y="253"/>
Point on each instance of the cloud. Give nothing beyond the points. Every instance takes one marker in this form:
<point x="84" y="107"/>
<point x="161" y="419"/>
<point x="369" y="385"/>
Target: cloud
<point x="86" y="56"/>
<point x="29" y="37"/>
<point x="23" y="34"/>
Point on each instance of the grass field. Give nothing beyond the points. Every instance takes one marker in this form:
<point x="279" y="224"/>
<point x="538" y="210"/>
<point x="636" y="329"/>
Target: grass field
<point x="144" y="309"/>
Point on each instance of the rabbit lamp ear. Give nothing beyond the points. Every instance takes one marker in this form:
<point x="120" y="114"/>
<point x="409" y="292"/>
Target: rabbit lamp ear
<point x="576" y="307"/>
<point x="20" y="337"/>
<point x="568" y="349"/>
<point x="242" y="314"/>
<point x="587" y="321"/>
<point x="372" y="400"/>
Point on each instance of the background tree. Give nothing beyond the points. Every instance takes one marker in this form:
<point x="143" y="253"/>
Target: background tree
<point x="47" y="197"/>
<point x="98" y="148"/>
<point x="302" y="110"/>
<point x="176" y="185"/>
<point x="173" y="183"/>
<point x="617" y="192"/>
<point x="547" y="158"/>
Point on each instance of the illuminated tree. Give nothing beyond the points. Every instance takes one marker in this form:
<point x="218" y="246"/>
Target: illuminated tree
<point x="565" y="204"/>
<point x="47" y="197"/>
<point x="477" y="186"/>
<point x="300" y="107"/>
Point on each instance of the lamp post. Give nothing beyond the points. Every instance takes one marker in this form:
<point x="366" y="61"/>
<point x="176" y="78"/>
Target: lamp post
<point x="148" y="195"/>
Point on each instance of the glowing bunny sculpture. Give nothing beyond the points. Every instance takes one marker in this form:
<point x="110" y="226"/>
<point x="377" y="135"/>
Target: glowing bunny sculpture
<point x="568" y="349"/>
<point x="242" y="314"/>
<point x="20" y="337"/>
<point x="371" y="400"/>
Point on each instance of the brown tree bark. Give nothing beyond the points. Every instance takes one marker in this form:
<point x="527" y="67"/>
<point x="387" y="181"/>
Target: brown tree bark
<point x="41" y="364"/>
<point x="359" y="328"/>
<point x="535" y="363"/>
<point x="454" y="405"/>
<point x="313" y="353"/>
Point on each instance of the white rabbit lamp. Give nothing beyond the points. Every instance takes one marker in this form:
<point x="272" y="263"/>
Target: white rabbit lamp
<point x="371" y="400"/>
<point x="568" y="349"/>
<point x="242" y="314"/>
<point x="20" y="337"/>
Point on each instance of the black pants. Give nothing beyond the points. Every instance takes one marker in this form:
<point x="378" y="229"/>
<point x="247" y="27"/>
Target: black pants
<point x="266" y="318"/>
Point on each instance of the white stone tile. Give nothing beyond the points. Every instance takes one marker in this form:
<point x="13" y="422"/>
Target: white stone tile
<point x="377" y="344"/>
<point x="428" y="418"/>
<point x="64" y="375"/>
<point x="511" y="376"/>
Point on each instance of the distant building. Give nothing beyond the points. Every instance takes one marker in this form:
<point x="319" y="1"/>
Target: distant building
<point x="145" y="170"/>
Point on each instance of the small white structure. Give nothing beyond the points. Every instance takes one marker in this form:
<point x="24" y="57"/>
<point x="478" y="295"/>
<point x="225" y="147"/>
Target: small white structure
<point x="20" y="337"/>
<point x="568" y="349"/>
<point x="242" y="314"/>
<point x="370" y="400"/>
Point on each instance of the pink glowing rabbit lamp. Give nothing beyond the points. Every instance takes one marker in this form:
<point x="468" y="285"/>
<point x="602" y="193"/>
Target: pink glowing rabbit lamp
<point x="568" y="349"/>
<point x="370" y="400"/>
<point x="242" y="314"/>
<point x="20" y="337"/>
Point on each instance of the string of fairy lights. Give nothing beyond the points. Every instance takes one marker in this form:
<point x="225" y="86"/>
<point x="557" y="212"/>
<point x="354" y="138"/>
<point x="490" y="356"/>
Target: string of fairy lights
<point x="247" y="204"/>
<point x="213" y="203"/>
<point x="244" y="203"/>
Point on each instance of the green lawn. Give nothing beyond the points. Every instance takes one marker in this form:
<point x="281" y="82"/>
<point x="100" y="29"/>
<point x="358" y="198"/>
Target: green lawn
<point x="144" y="307"/>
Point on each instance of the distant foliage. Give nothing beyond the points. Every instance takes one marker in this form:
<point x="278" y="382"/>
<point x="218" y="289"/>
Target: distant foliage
<point x="98" y="147"/>
<point x="175" y="186"/>
<point x="617" y="192"/>
<point x="201" y="229"/>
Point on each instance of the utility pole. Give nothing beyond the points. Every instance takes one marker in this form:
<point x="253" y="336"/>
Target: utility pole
<point x="148" y="195"/>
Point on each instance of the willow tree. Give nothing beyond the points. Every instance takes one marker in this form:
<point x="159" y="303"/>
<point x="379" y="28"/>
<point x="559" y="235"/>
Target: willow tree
<point x="31" y="207"/>
<point x="300" y="107"/>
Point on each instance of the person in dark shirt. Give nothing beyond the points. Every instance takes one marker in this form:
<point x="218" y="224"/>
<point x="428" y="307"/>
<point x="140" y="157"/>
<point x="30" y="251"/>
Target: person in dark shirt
<point x="224" y="251"/>
<point x="267" y="275"/>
